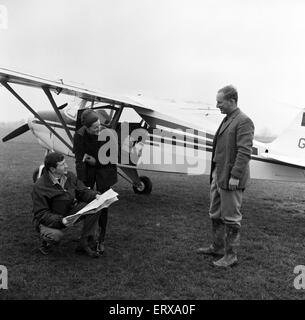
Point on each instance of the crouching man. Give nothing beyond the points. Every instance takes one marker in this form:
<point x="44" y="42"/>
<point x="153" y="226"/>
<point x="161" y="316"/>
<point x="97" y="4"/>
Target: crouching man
<point x="57" y="194"/>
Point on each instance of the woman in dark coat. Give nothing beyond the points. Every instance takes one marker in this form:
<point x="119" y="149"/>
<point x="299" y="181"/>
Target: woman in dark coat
<point x="89" y="169"/>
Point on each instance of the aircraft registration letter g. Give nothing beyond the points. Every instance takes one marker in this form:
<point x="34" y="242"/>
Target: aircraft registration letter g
<point x="301" y="143"/>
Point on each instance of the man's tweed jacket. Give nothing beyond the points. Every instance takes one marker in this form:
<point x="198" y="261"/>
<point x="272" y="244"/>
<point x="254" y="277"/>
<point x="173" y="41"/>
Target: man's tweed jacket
<point x="234" y="139"/>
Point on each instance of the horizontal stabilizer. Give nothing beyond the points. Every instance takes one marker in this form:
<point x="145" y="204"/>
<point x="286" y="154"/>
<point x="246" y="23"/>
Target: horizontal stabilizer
<point x="285" y="159"/>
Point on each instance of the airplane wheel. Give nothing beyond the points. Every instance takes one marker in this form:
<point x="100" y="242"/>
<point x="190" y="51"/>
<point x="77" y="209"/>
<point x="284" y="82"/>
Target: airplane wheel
<point x="145" y="188"/>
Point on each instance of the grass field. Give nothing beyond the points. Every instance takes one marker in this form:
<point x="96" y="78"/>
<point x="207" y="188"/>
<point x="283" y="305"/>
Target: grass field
<point x="151" y="241"/>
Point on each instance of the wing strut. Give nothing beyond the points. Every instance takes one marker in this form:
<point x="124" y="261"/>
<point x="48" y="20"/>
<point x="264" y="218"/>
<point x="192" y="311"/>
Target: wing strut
<point x="15" y="94"/>
<point x="117" y="116"/>
<point x="53" y="103"/>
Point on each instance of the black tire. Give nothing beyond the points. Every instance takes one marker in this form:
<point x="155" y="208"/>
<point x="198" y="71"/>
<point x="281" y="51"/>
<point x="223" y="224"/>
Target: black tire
<point x="146" y="186"/>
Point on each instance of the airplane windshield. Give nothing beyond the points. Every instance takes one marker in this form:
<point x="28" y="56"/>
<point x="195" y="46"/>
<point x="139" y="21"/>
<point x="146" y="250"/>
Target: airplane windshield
<point x="106" y="113"/>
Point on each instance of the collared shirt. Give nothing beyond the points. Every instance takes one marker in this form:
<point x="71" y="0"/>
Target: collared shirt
<point x="226" y="118"/>
<point x="232" y="113"/>
<point x="61" y="181"/>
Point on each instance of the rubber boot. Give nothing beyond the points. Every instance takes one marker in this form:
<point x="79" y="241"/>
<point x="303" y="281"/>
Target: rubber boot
<point x="45" y="247"/>
<point x="217" y="246"/>
<point x="100" y="245"/>
<point x="232" y="242"/>
<point x="84" y="248"/>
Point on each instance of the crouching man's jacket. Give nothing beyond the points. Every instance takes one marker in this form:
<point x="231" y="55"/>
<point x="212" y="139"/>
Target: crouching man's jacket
<point x="52" y="202"/>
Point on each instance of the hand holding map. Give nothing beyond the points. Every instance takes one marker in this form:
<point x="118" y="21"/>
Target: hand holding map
<point x="103" y="201"/>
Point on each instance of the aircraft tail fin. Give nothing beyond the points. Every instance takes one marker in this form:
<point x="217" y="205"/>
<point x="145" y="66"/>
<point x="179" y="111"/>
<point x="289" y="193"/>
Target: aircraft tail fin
<point x="290" y="144"/>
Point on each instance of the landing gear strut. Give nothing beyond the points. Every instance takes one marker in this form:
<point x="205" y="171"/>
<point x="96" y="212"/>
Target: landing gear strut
<point x="140" y="185"/>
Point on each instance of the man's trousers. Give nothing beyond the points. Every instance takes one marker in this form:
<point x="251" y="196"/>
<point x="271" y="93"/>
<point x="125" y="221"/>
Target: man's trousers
<point x="90" y="228"/>
<point x="225" y="204"/>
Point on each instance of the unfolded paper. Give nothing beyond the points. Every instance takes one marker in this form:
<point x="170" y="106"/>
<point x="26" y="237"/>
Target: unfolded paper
<point x="104" y="201"/>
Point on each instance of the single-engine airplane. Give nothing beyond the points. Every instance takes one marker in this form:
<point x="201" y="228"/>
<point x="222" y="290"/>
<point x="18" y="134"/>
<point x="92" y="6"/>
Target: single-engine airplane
<point x="154" y="137"/>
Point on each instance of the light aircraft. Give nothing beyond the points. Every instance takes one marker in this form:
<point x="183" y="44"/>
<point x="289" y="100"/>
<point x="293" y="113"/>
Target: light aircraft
<point x="157" y="138"/>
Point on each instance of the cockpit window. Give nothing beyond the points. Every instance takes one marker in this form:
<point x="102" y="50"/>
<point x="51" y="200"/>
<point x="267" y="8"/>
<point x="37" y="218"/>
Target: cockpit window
<point x="106" y="113"/>
<point x="71" y="112"/>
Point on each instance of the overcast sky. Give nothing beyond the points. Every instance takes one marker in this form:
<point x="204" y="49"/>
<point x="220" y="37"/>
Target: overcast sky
<point x="162" y="48"/>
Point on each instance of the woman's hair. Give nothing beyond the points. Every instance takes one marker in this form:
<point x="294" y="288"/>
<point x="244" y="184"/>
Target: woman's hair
<point x="88" y="117"/>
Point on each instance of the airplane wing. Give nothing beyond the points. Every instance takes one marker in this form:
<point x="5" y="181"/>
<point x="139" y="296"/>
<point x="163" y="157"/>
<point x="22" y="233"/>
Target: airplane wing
<point x="156" y="116"/>
<point x="150" y="112"/>
<point x="285" y="159"/>
<point x="171" y="115"/>
<point x="9" y="76"/>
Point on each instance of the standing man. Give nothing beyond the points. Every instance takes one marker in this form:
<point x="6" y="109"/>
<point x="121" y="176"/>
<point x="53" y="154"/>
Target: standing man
<point x="232" y="147"/>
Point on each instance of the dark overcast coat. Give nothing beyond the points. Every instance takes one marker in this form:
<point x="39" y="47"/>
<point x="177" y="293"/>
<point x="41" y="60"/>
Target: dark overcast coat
<point x="51" y="202"/>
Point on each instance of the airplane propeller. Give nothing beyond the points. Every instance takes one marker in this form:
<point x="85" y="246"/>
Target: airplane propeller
<point x="24" y="128"/>
<point x="17" y="132"/>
